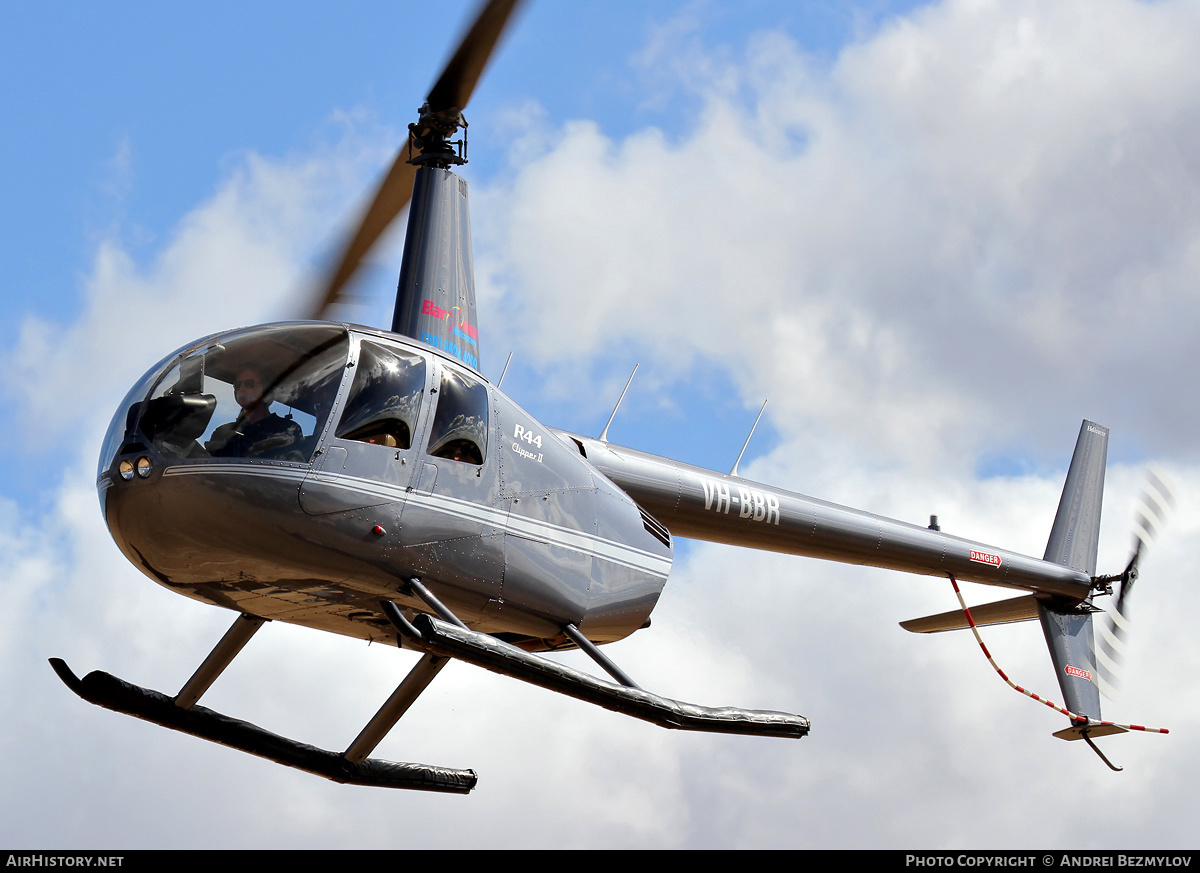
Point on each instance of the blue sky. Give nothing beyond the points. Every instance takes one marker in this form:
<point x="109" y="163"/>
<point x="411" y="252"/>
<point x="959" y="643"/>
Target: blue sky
<point x="129" y="117"/>
<point x="937" y="236"/>
<point x="128" y="113"/>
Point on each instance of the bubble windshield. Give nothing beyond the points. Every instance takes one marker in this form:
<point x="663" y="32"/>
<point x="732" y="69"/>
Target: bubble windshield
<point x="261" y="393"/>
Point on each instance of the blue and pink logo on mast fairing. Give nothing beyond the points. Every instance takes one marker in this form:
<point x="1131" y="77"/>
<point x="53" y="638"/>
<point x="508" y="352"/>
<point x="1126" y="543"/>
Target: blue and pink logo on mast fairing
<point x="456" y="320"/>
<point x="459" y="326"/>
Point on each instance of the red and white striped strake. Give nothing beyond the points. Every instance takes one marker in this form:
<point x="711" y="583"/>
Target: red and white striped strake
<point x="1078" y="719"/>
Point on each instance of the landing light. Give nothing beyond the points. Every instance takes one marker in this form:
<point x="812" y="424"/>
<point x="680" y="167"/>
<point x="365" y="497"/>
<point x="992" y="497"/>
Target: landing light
<point x="143" y="466"/>
<point x="125" y="468"/>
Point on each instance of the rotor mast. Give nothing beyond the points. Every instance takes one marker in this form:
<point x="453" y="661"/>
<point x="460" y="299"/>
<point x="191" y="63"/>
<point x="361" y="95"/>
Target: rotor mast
<point x="435" y="296"/>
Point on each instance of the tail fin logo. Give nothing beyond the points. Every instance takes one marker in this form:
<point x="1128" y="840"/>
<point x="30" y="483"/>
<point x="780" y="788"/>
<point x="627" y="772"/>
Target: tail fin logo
<point x="986" y="558"/>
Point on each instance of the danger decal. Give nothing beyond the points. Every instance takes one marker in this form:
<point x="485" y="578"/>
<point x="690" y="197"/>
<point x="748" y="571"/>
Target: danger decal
<point x="986" y="558"/>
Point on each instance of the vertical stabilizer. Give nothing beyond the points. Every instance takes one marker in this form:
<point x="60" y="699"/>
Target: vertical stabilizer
<point x="1074" y="540"/>
<point x="435" y="300"/>
<point x="1076" y="532"/>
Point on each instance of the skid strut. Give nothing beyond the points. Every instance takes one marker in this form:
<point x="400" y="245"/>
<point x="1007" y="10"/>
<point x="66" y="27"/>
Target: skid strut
<point x="235" y="639"/>
<point x="394" y="707"/>
<point x="592" y="651"/>
<point x="351" y="767"/>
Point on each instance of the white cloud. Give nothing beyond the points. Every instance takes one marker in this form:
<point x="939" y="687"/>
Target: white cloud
<point x="984" y="209"/>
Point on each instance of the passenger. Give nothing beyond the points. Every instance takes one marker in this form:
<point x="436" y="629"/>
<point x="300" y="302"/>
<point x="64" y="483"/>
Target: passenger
<point x="257" y="430"/>
<point x="461" y="450"/>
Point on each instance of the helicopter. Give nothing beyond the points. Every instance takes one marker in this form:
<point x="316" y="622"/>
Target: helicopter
<point x="372" y="483"/>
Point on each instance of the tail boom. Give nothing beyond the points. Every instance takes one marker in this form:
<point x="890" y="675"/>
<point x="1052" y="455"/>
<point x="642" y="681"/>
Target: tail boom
<point x="706" y="505"/>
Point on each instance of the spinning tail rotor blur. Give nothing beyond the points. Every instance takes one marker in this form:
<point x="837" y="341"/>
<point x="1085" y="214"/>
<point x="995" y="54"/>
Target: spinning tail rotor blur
<point x="1154" y="507"/>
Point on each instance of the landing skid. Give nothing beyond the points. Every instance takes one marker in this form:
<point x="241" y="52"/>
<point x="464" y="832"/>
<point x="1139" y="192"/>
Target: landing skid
<point x="351" y="767"/>
<point x="440" y="640"/>
<point x="118" y="695"/>
<point x="454" y="640"/>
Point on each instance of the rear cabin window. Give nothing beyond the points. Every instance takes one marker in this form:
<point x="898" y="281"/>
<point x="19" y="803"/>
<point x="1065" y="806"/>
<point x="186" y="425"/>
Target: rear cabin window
<point x="385" y="399"/>
<point x="459" y="431"/>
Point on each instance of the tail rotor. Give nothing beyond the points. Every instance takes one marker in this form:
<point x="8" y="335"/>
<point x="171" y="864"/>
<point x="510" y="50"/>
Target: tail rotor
<point x="1154" y="507"/>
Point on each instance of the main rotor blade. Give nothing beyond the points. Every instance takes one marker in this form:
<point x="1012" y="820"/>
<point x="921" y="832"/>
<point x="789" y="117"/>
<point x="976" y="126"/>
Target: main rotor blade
<point x="457" y="82"/>
<point x="394" y="193"/>
<point x="452" y="91"/>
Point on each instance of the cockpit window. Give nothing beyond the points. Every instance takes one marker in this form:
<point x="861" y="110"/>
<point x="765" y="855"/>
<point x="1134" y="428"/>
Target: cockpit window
<point x="264" y="393"/>
<point x="122" y="431"/>
<point x="385" y="398"/>
<point x="459" y="430"/>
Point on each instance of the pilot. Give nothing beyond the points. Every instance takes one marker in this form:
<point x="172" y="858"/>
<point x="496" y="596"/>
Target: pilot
<point x="257" y="430"/>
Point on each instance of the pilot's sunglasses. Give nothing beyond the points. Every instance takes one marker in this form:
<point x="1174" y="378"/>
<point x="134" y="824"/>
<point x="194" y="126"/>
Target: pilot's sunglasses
<point x="249" y="383"/>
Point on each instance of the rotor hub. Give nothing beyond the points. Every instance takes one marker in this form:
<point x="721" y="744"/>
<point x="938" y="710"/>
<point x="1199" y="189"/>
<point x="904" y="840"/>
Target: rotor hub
<point x="431" y="135"/>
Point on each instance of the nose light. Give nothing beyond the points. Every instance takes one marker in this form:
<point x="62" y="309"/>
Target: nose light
<point x="125" y="469"/>
<point x="143" y="466"/>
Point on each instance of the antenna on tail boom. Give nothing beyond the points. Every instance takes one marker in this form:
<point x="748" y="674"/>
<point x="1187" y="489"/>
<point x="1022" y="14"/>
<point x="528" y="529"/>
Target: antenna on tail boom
<point x="604" y="433"/>
<point x="749" y="436"/>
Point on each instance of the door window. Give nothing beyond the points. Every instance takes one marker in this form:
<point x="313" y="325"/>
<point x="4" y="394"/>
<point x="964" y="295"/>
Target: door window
<point x="385" y="399"/>
<point x="459" y="431"/>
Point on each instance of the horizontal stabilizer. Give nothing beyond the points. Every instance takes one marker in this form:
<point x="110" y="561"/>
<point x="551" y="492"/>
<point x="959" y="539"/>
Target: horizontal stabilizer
<point x="1000" y="612"/>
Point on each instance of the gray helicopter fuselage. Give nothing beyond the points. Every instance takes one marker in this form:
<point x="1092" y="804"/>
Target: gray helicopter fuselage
<point x="380" y="460"/>
<point x="388" y="460"/>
